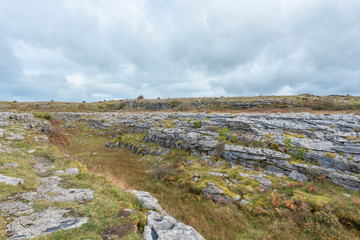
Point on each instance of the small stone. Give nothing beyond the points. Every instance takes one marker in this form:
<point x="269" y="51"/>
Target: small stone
<point x="15" y="165"/>
<point x="347" y="195"/>
<point x="219" y="163"/>
<point x="237" y="198"/>
<point x="298" y="176"/>
<point x="243" y="202"/>
<point x="211" y="188"/>
<point x="69" y="171"/>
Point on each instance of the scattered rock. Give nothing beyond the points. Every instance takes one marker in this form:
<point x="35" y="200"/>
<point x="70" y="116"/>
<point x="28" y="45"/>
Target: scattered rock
<point x="13" y="136"/>
<point x="224" y="175"/>
<point x="49" y="190"/>
<point x="211" y="188"/>
<point x="298" y="176"/>
<point x="5" y="165"/>
<point x="147" y="201"/>
<point x="263" y="181"/>
<point x="165" y="227"/>
<point x="69" y="171"/>
<point x="10" y="180"/>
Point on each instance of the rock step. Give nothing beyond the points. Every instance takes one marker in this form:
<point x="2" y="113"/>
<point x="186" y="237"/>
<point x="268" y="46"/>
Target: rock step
<point x="160" y="225"/>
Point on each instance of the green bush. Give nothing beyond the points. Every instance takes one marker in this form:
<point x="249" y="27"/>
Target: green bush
<point x="197" y="124"/>
<point x="47" y="116"/>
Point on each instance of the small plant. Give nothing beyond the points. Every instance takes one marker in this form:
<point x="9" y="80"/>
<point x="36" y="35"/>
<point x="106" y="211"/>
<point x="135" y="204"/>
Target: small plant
<point x="300" y="154"/>
<point x="288" y="144"/>
<point x="327" y="218"/>
<point x="197" y="124"/>
<point x="311" y="187"/>
<point x="47" y="116"/>
<point x="223" y="132"/>
<point x="356" y="201"/>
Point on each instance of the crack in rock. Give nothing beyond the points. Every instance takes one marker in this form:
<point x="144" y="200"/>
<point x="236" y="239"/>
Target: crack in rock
<point x="49" y="190"/>
<point x="10" y="209"/>
<point x="42" y="223"/>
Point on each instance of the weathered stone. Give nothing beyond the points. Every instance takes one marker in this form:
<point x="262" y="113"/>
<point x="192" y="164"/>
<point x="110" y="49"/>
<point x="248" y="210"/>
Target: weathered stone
<point x="165" y="227"/>
<point x="49" y="190"/>
<point x="224" y="175"/>
<point x="10" y="180"/>
<point x="11" y="209"/>
<point x="5" y="165"/>
<point x="69" y="171"/>
<point x="147" y="201"/>
<point x="42" y="223"/>
<point x="298" y="176"/>
<point x="211" y="188"/>
<point x="263" y="181"/>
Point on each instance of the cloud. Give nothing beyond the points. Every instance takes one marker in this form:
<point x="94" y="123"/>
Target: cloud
<point x="90" y="50"/>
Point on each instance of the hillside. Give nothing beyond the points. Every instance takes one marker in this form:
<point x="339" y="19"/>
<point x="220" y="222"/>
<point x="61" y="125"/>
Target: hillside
<point x="214" y="168"/>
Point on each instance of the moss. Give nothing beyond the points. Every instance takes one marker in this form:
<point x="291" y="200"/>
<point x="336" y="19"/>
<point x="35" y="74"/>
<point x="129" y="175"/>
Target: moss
<point x="197" y="124"/>
<point x="317" y="202"/>
<point x="330" y="155"/>
<point x="294" y="135"/>
<point x="351" y="138"/>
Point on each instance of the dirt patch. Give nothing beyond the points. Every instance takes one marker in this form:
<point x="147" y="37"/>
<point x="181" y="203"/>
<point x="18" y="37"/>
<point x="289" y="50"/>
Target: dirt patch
<point x="124" y="213"/>
<point x="117" y="232"/>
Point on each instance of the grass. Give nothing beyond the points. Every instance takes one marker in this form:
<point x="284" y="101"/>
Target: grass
<point x="109" y="195"/>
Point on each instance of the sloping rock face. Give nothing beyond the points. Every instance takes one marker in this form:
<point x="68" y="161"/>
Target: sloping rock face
<point x="309" y="144"/>
<point x="160" y="225"/>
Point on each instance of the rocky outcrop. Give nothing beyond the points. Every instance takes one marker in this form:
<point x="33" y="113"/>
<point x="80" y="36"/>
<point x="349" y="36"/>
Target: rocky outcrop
<point x="165" y="227"/>
<point x="160" y="225"/>
<point x="275" y="142"/>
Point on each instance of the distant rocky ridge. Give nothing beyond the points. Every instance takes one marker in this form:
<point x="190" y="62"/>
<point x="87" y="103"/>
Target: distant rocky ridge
<point x="324" y="145"/>
<point x="203" y="103"/>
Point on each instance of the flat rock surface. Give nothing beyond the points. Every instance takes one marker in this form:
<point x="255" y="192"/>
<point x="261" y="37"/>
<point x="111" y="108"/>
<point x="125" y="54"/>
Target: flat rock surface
<point x="41" y="223"/>
<point x="10" y="180"/>
<point x="24" y="222"/>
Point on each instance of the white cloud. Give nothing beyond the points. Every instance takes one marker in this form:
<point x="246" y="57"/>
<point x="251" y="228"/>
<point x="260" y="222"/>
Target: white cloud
<point x="87" y="50"/>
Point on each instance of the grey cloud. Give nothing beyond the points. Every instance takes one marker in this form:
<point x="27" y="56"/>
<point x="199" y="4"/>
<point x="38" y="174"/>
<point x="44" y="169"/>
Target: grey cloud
<point x="87" y="50"/>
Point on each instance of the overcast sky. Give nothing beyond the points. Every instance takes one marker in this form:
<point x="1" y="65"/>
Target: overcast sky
<point x="75" y="50"/>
